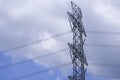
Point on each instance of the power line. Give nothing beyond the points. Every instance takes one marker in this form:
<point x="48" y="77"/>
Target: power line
<point x="58" y="35"/>
<point x="104" y="76"/>
<point x="104" y="32"/>
<point x="53" y="53"/>
<point x="35" y="58"/>
<point x="35" y="73"/>
<point x="35" y="42"/>
<point x="52" y="68"/>
<point x="104" y="65"/>
<point x="102" y="45"/>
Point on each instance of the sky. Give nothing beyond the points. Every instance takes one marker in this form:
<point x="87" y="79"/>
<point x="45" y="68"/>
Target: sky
<point x="25" y="21"/>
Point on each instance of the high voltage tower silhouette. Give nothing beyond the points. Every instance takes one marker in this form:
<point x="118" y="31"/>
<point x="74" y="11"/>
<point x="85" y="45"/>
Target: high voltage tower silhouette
<point x="76" y="47"/>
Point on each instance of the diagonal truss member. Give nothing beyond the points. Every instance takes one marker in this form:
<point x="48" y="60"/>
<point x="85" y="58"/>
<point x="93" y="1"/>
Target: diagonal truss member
<point x="76" y="47"/>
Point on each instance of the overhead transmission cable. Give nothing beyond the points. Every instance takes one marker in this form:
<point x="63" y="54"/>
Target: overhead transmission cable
<point x="35" y="42"/>
<point x="103" y="32"/>
<point x="53" y="53"/>
<point x="34" y="58"/>
<point x="104" y="76"/>
<point x="38" y="72"/>
<point x="102" y="45"/>
<point x="55" y="67"/>
<point x="58" y="35"/>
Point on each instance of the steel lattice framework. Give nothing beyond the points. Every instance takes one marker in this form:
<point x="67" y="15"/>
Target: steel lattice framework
<point x="76" y="47"/>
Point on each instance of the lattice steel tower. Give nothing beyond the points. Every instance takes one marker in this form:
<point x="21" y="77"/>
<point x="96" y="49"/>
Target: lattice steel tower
<point x="76" y="47"/>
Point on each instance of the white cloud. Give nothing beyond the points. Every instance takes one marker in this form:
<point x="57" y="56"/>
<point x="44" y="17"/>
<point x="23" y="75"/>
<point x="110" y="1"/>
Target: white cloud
<point x="107" y="12"/>
<point x="57" y="78"/>
<point x="25" y="21"/>
<point x="49" y="44"/>
<point x="51" y="72"/>
<point x="30" y="20"/>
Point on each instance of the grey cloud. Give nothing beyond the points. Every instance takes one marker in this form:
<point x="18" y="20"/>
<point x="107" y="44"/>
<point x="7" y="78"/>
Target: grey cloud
<point x="36" y="17"/>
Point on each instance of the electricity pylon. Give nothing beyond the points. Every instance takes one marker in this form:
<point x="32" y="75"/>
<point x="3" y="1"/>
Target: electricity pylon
<point x="76" y="47"/>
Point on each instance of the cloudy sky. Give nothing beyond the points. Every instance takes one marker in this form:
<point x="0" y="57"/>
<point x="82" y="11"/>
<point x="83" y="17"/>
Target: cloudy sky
<point x="25" y="21"/>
